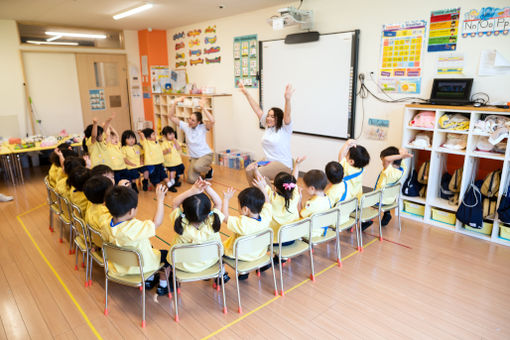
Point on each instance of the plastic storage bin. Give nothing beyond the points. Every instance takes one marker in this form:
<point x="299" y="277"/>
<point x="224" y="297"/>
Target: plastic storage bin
<point x="504" y="231"/>
<point x="443" y="216"/>
<point x="233" y="159"/>
<point x="414" y="208"/>
<point x="486" y="229"/>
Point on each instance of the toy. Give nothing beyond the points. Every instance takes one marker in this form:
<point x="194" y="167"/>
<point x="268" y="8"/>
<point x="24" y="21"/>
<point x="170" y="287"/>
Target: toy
<point x="210" y="40"/>
<point x="180" y="56"/>
<point x="210" y="29"/>
<point x="178" y="46"/>
<point x="212" y="50"/>
<point x="214" y="60"/>
<point x="194" y="33"/>
<point x="194" y="42"/>
<point x="195" y="52"/>
<point x="178" y="35"/>
<point x="423" y="119"/>
<point x="454" y="122"/>
<point x="193" y="62"/>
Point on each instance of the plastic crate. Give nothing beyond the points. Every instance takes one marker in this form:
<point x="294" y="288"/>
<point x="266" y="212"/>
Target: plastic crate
<point x="414" y="208"/>
<point x="486" y="229"/>
<point x="233" y="159"/>
<point x="443" y="216"/>
<point x="504" y="232"/>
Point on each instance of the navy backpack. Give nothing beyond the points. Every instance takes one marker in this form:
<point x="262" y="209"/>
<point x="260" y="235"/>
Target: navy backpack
<point x="470" y="210"/>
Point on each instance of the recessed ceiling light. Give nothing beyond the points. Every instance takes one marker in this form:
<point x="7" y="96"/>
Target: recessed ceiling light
<point x="38" y="42"/>
<point x="132" y="11"/>
<point x="78" y="35"/>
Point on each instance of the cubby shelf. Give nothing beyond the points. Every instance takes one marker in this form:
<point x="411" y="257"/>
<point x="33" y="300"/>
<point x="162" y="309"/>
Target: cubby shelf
<point x="439" y="154"/>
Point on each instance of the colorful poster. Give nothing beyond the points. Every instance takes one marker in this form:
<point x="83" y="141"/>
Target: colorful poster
<point x="450" y="63"/>
<point x="486" y="21"/>
<point x="160" y="79"/>
<point x="96" y="100"/>
<point x="245" y="60"/>
<point x="443" y="32"/>
<point x="401" y="56"/>
<point x="377" y="129"/>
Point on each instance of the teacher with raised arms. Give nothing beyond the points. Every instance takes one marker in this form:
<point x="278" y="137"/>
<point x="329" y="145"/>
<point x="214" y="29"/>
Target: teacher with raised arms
<point x="201" y="155"/>
<point x="276" y="139"/>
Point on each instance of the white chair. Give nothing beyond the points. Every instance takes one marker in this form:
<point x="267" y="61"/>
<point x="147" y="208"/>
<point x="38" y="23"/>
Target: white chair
<point x="247" y="245"/>
<point x="128" y="257"/>
<point x="390" y="200"/>
<point x="369" y="208"/>
<point x="197" y="253"/>
<point x="52" y="202"/>
<point x="328" y="222"/>
<point x="350" y="209"/>
<point x="294" y="232"/>
<point x="80" y="239"/>
<point x="95" y="246"/>
<point x="65" y="219"/>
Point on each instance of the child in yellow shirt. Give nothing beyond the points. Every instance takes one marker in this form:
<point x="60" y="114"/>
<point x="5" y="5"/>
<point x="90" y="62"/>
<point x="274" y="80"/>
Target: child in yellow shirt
<point x="336" y="191"/>
<point x="196" y="222"/>
<point x="153" y="159"/>
<point x="127" y="231"/>
<point x="77" y="180"/>
<point x="97" y="215"/>
<point x="171" y="152"/>
<point x="392" y="173"/>
<point x="316" y="181"/>
<point x="132" y="157"/>
<point x="255" y="217"/>
<point x="115" y="156"/>
<point x="63" y="186"/>
<point x="56" y="172"/>
<point x="96" y="144"/>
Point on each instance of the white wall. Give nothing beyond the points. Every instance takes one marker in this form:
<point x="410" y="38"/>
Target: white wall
<point x="133" y="60"/>
<point x="53" y="83"/>
<point x="238" y="128"/>
<point x="12" y="97"/>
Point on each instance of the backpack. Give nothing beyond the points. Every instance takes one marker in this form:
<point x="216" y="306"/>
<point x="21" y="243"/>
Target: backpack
<point x="470" y="209"/>
<point x="489" y="206"/>
<point x="444" y="190"/>
<point x="504" y="206"/>
<point x="456" y="180"/>
<point x="423" y="173"/>
<point x="411" y="186"/>
<point x="490" y="186"/>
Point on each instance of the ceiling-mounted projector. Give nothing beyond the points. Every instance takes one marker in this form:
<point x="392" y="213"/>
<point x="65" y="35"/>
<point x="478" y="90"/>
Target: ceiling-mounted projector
<point x="292" y="16"/>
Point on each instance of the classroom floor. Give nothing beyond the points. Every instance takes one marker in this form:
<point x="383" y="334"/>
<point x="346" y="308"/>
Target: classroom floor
<point x="423" y="282"/>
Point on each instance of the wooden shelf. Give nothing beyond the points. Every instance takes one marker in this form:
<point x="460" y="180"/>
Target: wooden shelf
<point x="453" y="131"/>
<point x="450" y="108"/>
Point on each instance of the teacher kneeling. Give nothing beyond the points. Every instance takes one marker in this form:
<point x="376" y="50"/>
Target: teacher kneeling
<point x="276" y="139"/>
<point x="201" y="155"/>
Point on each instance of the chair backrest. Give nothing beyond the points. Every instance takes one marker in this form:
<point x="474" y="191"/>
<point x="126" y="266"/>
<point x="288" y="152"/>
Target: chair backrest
<point x="252" y="243"/>
<point x="326" y="218"/>
<point x="95" y="236"/>
<point x="196" y="252"/>
<point x="48" y="192"/>
<point x="64" y="206"/>
<point x="79" y="224"/>
<point x="76" y="211"/>
<point x="370" y="199"/>
<point x="347" y="208"/>
<point x="391" y="192"/>
<point x="123" y="256"/>
<point x="294" y="231"/>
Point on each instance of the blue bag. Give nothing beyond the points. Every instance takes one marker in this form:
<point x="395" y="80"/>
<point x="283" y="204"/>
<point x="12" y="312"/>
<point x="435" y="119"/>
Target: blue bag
<point x="411" y="186"/>
<point x="504" y="206"/>
<point x="470" y="210"/>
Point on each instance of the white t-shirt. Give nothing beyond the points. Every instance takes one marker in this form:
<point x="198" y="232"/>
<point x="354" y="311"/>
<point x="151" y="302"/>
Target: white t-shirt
<point x="195" y="140"/>
<point x="276" y="144"/>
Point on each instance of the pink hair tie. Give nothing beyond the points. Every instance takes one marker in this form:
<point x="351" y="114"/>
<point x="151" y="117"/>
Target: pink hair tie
<point x="289" y="186"/>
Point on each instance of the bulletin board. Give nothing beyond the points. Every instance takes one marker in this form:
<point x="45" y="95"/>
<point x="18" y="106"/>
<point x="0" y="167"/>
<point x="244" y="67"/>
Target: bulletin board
<point x="323" y="74"/>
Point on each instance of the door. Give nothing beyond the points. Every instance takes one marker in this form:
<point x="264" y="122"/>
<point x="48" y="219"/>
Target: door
<point x="103" y="80"/>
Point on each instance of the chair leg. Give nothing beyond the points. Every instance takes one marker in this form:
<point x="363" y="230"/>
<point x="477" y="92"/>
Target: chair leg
<point x="91" y="265"/>
<point x="312" y="276"/>
<point x="106" y="296"/>
<point x="51" y="219"/>
<point x="223" y="290"/>
<point x="76" y="261"/>
<point x="338" y="252"/>
<point x="399" y="225"/>
<point x="61" y="232"/>
<point x="380" y="228"/>
<point x="143" y="304"/>
<point x="360" y="236"/>
<point x="282" y="292"/>
<point x="239" y="308"/>
<point x="175" y="296"/>
<point x="274" y="278"/>
<point x="71" y="240"/>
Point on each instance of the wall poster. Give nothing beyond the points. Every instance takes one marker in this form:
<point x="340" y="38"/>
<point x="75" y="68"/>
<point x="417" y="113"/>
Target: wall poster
<point x="246" y="60"/>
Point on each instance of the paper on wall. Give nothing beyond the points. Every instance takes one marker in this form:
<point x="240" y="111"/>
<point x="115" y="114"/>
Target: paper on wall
<point x="450" y="63"/>
<point x="492" y="63"/>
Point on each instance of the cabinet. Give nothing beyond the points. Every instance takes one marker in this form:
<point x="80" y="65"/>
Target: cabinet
<point x="474" y="163"/>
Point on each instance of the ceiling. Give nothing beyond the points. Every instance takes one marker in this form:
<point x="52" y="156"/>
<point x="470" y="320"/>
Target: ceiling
<point x="98" y="13"/>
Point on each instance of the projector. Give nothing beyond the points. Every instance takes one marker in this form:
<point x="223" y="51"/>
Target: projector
<point x="291" y="16"/>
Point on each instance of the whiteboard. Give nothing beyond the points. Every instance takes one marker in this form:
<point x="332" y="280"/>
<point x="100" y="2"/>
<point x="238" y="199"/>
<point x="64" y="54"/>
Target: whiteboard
<point x="323" y="74"/>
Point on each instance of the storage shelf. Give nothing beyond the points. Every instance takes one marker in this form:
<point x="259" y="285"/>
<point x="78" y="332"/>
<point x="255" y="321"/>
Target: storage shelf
<point x="413" y="199"/>
<point x="474" y="234"/>
<point x="453" y="131"/>
<point x="488" y="155"/>
<point x="419" y="128"/>
<point x="442" y="204"/>
<point x="450" y="151"/>
<point x="408" y="146"/>
<point x="477" y="133"/>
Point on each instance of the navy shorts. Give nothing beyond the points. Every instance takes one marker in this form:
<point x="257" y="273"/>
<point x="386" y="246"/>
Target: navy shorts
<point x="179" y="169"/>
<point x="120" y="174"/>
<point x="157" y="173"/>
<point x="132" y="174"/>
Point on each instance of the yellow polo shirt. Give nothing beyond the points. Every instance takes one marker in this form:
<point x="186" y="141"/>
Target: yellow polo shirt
<point x="98" y="217"/>
<point x="280" y="214"/>
<point x="115" y="156"/>
<point x="389" y="176"/>
<point x="314" y="205"/>
<point x="354" y="185"/>
<point x="153" y="154"/>
<point x="97" y="152"/>
<point x="132" y="154"/>
<point x="78" y="198"/>
<point x="174" y="157"/>
<point x="335" y="193"/>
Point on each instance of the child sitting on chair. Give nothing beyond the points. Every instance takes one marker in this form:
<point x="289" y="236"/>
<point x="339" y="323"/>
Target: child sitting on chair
<point x="196" y="222"/>
<point x="98" y="216"/>
<point x="132" y="157"/>
<point x="103" y="170"/>
<point x="255" y="217"/>
<point x="56" y="171"/>
<point x="171" y="151"/>
<point x="77" y="180"/>
<point x="153" y="159"/>
<point x="316" y="181"/>
<point x="336" y="191"/>
<point x="393" y="170"/>
<point x="127" y="231"/>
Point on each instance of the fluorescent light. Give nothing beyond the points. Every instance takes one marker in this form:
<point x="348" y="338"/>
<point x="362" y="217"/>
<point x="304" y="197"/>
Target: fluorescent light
<point x="78" y="35"/>
<point x="38" y="42"/>
<point x="55" y="37"/>
<point x="133" y="11"/>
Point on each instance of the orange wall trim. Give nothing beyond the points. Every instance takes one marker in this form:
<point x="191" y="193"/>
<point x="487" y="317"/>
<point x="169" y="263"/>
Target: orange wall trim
<point x="153" y="45"/>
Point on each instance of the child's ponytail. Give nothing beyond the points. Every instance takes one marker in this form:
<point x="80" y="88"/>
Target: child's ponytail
<point x="178" y="227"/>
<point x="285" y="184"/>
<point x="216" y="225"/>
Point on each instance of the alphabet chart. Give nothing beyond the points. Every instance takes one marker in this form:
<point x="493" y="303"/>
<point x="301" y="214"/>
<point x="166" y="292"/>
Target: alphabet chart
<point x="486" y="21"/>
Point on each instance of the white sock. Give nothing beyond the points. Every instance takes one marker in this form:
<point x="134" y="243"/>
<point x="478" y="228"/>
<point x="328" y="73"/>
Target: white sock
<point x="170" y="183"/>
<point x="163" y="284"/>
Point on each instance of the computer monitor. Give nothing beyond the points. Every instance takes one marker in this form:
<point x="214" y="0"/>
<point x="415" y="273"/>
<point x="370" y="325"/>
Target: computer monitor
<point x="451" y="91"/>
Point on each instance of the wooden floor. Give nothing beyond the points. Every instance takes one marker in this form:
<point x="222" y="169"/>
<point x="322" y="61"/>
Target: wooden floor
<point x="422" y="282"/>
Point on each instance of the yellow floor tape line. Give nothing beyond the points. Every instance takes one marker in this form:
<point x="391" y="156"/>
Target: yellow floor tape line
<point x="277" y="297"/>
<point x="54" y="271"/>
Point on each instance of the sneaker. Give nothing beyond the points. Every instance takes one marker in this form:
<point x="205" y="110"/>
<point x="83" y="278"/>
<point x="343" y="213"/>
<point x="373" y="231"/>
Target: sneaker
<point x="170" y="183"/>
<point x="226" y="278"/>
<point x="163" y="290"/>
<point x="266" y="267"/>
<point x="5" y="198"/>
<point x="243" y="277"/>
<point x="145" y="184"/>
<point x="150" y="284"/>
<point x="386" y="219"/>
<point x="366" y="225"/>
<point x="172" y="188"/>
<point x="177" y="183"/>
<point x="209" y="175"/>
<point x="134" y="187"/>
<point x="275" y="260"/>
